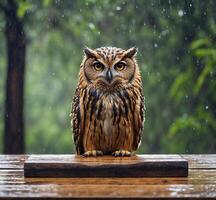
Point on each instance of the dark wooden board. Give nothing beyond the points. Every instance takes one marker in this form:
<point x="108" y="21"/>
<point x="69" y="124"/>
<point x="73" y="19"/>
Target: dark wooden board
<point x="105" y="166"/>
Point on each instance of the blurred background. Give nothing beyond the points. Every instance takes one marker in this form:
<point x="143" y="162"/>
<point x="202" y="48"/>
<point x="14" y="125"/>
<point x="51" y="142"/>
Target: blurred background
<point x="41" y="47"/>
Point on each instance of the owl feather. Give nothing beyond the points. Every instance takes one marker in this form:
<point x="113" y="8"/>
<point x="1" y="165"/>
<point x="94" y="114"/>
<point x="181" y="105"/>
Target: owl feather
<point x="108" y="105"/>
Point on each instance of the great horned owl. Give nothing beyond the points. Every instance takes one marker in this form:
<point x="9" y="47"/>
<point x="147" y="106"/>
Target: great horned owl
<point x="108" y="106"/>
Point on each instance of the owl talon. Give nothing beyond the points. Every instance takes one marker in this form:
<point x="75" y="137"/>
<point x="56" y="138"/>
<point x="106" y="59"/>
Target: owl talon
<point x="93" y="153"/>
<point x="121" y="153"/>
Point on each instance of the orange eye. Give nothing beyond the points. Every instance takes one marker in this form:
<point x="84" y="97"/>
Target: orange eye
<point x="98" y="66"/>
<point x="120" y="66"/>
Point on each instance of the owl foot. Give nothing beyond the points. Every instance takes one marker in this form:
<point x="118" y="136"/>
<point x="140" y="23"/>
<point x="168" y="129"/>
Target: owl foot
<point x="93" y="153"/>
<point x="121" y="153"/>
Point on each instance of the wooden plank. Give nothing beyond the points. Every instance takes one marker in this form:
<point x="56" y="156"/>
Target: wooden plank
<point x="201" y="183"/>
<point x="12" y="161"/>
<point x="196" y="177"/>
<point x="17" y="157"/>
<point x="196" y="161"/>
<point x="105" y="166"/>
<point x="199" y="161"/>
<point x="180" y="191"/>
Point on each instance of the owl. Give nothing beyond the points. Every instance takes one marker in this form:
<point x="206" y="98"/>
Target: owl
<point x="108" y="106"/>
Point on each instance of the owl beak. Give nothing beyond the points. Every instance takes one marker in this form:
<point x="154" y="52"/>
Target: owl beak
<point x="109" y="76"/>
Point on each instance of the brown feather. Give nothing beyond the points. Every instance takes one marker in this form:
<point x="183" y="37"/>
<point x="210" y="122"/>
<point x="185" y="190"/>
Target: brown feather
<point x="108" y="118"/>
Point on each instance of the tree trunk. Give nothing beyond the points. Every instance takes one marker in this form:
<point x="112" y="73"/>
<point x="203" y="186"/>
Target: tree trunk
<point x="16" y="51"/>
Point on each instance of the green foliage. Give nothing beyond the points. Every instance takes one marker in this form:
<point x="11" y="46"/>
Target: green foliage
<point x="23" y="7"/>
<point x="201" y="118"/>
<point x="208" y="53"/>
<point x="177" y="54"/>
<point x="47" y="3"/>
<point x="180" y="86"/>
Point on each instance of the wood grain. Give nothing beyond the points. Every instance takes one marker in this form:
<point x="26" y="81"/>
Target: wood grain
<point x="200" y="183"/>
<point x="105" y="166"/>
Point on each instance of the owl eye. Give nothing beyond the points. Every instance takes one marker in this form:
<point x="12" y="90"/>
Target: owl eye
<point x="120" y="66"/>
<point x="98" y="66"/>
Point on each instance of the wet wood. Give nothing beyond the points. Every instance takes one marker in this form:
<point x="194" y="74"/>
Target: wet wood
<point x="200" y="183"/>
<point x="105" y="166"/>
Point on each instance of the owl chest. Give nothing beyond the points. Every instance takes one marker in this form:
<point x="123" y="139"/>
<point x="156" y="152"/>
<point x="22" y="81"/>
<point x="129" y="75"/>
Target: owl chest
<point x="112" y="114"/>
<point x="107" y="121"/>
<point x="107" y="133"/>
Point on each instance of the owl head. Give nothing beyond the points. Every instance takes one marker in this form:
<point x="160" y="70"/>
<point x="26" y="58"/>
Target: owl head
<point x="109" y="67"/>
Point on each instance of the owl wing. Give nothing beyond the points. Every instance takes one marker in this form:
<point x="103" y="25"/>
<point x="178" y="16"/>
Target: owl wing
<point x="140" y="118"/>
<point x="76" y="122"/>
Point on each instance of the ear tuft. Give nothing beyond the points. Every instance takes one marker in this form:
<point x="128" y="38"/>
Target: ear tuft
<point x="131" y="52"/>
<point x="89" y="52"/>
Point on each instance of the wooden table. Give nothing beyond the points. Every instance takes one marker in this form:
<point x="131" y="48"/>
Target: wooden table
<point x="201" y="183"/>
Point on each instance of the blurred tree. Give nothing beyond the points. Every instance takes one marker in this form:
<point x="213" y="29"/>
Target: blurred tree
<point x="16" y="51"/>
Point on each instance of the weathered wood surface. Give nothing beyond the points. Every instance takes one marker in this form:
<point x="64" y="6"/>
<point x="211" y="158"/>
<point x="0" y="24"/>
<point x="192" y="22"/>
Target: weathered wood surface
<point x="105" y="166"/>
<point x="201" y="183"/>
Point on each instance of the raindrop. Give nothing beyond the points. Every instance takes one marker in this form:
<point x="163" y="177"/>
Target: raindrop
<point x="155" y="45"/>
<point x="165" y="32"/>
<point x="118" y="8"/>
<point x="206" y="107"/>
<point x="180" y="13"/>
<point x="91" y="26"/>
